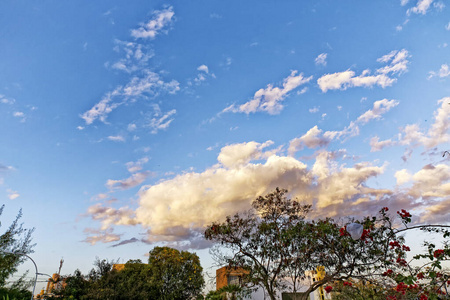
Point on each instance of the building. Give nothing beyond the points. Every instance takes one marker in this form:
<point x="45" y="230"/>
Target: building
<point x="229" y="275"/>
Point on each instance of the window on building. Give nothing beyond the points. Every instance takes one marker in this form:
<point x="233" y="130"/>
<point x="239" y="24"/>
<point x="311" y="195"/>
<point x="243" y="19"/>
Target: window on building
<point x="234" y="280"/>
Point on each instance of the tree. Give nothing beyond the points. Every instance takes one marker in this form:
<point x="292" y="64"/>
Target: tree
<point x="16" y="239"/>
<point x="276" y="244"/>
<point x="265" y="241"/>
<point x="175" y="275"/>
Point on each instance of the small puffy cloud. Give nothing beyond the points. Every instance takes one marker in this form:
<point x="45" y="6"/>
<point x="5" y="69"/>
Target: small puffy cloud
<point x="321" y="59"/>
<point x="437" y="134"/>
<point x="12" y="194"/>
<point x="116" y="138"/>
<point x="314" y="110"/>
<point x="203" y="68"/>
<point x="380" y="107"/>
<point x="239" y="154"/>
<point x="135" y="166"/>
<point x="5" y="100"/>
<point x="377" y="145"/>
<point x="447" y="27"/>
<point x="403" y="2"/>
<point x="421" y="7"/>
<point x="396" y="61"/>
<point x="270" y="99"/>
<point x="109" y="215"/>
<point x="157" y="24"/>
<point x="444" y="71"/>
<point x="20" y="115"/>
<point x="313" y="138"/>
<point x="128" y="183"/>
<point x="403" y="176"/>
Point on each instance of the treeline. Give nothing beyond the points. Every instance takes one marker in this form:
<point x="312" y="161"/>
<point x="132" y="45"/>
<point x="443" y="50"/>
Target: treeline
<point x="169" y="274"/>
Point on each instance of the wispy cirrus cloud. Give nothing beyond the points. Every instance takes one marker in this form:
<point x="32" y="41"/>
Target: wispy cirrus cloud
<point x="161" y="19"/>
<point x="160" y="120"/>
<point x="144" y="83"/>
<point x="321" y="59"/>
<point x="396" y="61"/>
<point x="149" y="85"/>
<point x="270" y="99"/>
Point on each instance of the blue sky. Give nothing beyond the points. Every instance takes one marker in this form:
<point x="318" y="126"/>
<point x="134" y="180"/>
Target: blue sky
<point x="126" y="125"/>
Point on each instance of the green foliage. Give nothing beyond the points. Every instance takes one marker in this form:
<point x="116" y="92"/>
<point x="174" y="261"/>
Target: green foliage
<point x="175" y="274"/>
<point x="170" y="275"/>
<point x="15" y="239"/>
<point x="276" y="244"/>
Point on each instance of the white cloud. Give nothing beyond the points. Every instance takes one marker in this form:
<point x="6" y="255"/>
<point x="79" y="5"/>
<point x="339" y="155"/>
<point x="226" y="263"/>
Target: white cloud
<point x="135" y="57"/>
<point x="377" y="145"/>
<point x="397" y="62"/>
<point x="346" y="79"/>
<point x="314" y="138"/>
<point x="5" y="100"/>
<point x="421" y="7"/>
<point x="447" y="27"/>
<point x="270" y="99"/>
<point x="403" y="2"/>
<point x="439" y="5"/>
<point x="437" y="134"/>
<point x="160" y="121"/>
<point x="128" y="183"/>
<point x="136" y="166"/>
<point x="321" y="59"/>
<point x="443" y="72"/>
<point x="151" y="84"/>
<point x="116" y="138"/>
<point x="203" y="68"/>
<point x="104" y="236"/>
<point x="380" y="107"/>
<point x="313" y="110"/>
<point x="12" y="194"/>
<point x="403" y="176"/>
<point x="241" y="154"/>
<point x="160" y="20"/>
<point x="131" y="127"/>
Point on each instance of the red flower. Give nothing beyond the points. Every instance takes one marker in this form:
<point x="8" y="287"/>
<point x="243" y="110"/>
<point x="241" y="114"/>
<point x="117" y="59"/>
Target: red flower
<point x="401" y="287"/>
<point x="343" y="231"/>
<point x="328" y="289"/>
<point x="346" y="283"/>
<point x="406" y="248"/>
<point x="401" y="261"/>
<point x="404" y="214"/>
<point x="420" y="276"/>
<point x="423" y="297"/>
<point x="394" y="244"/>
<point x="438" y="253"/>
<point x="388" y="272"/>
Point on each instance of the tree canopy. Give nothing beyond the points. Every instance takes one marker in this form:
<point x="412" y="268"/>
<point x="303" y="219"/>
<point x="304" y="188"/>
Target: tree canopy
<point x="276" y="243"/>
<point x="14" y="242"/>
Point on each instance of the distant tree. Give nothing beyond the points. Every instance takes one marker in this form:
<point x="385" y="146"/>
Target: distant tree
<point x="175" y="275"/>
<point x="16" y="239"/>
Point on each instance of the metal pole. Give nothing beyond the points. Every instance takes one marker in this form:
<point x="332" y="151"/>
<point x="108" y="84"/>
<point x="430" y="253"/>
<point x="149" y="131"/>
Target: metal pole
<point x="35" y="266"/>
